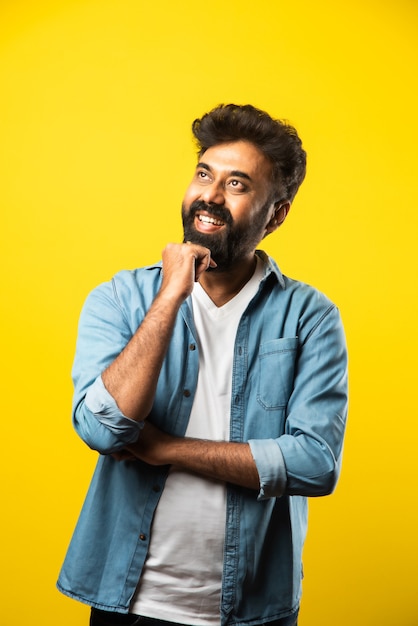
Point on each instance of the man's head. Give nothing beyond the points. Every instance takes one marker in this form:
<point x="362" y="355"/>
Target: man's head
<point x="250" y="167"/>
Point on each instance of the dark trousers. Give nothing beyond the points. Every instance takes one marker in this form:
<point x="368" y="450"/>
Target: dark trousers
<point x="108" y="618"/>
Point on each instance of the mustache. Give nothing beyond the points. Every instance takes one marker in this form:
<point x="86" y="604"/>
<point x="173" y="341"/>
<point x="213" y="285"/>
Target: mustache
<point x="217" y="210"/>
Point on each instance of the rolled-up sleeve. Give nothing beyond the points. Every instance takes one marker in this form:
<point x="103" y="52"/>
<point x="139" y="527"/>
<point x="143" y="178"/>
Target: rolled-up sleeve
<point x="312" y="444"/>
<point x="308" y="397"/>
<point x="103" y="332"/>
<point x="104" y="408"/>
<point x="270" y="466"/>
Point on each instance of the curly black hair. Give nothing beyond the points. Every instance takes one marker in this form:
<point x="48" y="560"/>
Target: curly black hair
<point x="277" y="139"/>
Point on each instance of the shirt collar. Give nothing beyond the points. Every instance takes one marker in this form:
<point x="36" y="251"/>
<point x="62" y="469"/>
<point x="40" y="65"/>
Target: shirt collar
<point x="270" y="267"/>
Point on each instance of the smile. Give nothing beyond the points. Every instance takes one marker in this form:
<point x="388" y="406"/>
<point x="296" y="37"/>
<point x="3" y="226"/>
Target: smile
<point x="206" y="219"/>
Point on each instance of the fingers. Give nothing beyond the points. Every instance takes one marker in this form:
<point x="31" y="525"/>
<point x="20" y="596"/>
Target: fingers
<point x="183" y="264"/>
<point x="151" y="445"/>
<point x="203" y="260"/>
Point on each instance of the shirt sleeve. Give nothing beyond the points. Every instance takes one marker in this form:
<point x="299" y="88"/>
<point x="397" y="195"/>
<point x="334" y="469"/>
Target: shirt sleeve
<point x="271" y="468"/>
<point x="104" y="408"/>
<point x="305" y="459"/>
<point x="104" y="330"/>
<point x="312" y="444"/>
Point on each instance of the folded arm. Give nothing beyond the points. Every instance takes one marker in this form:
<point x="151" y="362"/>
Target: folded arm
<point x="220" y="460"/>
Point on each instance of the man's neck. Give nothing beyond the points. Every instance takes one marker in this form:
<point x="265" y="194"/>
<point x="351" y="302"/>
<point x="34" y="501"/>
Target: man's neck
<point x="221" y="287"/>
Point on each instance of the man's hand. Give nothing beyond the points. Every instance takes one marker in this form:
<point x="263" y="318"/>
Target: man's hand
<point x="183" y="265"/>
<point x="123" y="455"/>
<point x="149" y="448"/>
<point x="153" y="445"/>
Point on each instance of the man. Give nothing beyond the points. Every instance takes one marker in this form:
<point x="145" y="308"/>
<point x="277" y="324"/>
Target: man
<point x="214" y="389"/>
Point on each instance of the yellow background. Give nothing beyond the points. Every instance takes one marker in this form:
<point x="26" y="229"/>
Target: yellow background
<point x="95" y="153"/>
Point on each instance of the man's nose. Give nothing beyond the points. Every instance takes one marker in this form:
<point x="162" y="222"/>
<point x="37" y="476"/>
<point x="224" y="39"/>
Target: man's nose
<point x="213" y="193"/>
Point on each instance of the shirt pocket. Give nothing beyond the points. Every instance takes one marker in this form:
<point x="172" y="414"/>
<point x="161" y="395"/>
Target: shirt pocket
<point x="276" y="370"/>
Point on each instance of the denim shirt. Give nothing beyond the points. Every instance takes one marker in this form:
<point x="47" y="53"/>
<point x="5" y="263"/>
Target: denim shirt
<point x="289" y="401"/>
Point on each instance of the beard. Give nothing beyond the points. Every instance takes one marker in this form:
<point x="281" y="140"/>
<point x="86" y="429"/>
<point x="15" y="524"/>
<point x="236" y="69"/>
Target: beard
<point x="230" y="245"/>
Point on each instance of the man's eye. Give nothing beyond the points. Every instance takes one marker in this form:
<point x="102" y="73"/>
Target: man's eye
<point x="237" y="185"/>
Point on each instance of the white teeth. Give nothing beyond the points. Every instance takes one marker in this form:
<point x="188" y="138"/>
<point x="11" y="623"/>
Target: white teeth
<point x="210" y="220"/>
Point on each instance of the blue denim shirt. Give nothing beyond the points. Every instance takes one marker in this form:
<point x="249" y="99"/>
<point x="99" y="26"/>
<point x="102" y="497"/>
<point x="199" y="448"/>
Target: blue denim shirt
<point x="289" y="401"/>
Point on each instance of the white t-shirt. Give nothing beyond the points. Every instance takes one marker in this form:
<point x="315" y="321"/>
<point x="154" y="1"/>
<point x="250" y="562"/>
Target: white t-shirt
<point x="182" y="577"/>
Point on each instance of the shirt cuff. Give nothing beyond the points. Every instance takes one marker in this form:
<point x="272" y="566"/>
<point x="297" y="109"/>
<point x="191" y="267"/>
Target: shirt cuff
<point x="103" y="406"/>
<point x="270" y="466"/>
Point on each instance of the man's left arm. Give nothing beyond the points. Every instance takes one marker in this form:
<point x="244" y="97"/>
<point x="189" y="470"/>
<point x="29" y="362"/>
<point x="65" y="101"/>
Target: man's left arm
<point x="220" y="460"/>
<point x="306" y="459"/>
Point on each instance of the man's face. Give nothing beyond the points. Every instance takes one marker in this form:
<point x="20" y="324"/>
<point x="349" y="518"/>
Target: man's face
<point x="227" y="206"/>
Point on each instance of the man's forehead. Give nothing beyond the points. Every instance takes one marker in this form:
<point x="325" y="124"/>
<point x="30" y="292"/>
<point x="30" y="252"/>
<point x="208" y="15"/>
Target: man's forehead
<point x="239" y="157"/>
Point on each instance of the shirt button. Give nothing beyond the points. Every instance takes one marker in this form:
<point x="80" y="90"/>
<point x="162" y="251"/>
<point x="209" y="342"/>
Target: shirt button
<point x="156" y="488"/>
<point x="192" y="346"/>
<point x="186" y="393"/>
<point x="142" y="537"/>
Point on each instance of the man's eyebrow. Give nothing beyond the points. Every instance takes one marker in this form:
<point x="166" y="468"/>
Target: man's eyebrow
<point x="237" y="173"/>
<point x="240" y="174"/>
<point x="203" y="166"/>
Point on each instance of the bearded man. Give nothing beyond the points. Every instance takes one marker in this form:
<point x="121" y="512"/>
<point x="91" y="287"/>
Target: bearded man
<point x="215" y="390"/>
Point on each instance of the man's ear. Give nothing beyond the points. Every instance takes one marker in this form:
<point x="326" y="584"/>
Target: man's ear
<point x="281" y="209"/>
